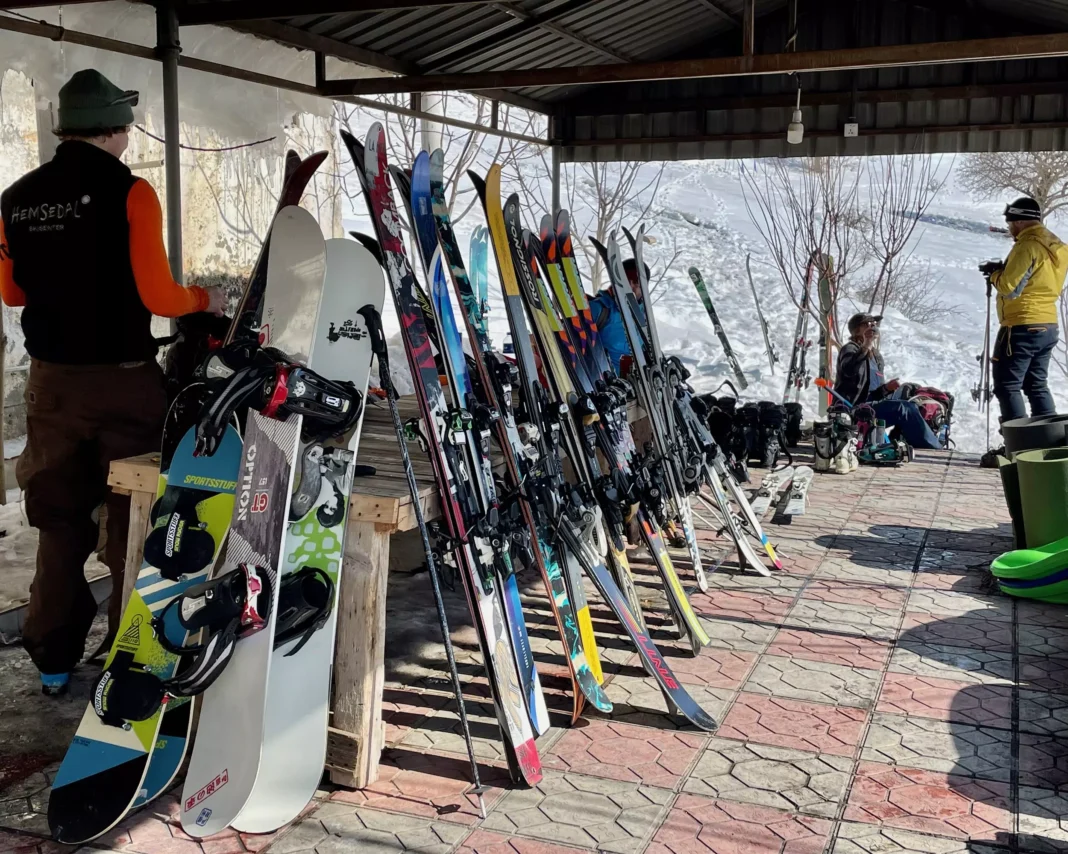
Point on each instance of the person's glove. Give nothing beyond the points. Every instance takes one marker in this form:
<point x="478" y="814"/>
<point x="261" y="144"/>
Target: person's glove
<point x="989" y="267"/>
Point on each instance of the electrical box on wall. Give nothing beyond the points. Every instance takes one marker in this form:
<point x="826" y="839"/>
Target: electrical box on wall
<point x="852" y="129"/>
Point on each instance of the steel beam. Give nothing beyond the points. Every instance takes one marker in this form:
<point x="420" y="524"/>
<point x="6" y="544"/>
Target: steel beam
<point x="748" y="27"/>
<point x="59" y="34"/>
<point x="757" y="136"/>
<point x="562" y="32"/>
<point x="594" y="106"/>
<point x="725" y="14"/>
<point x="232" y="11"/>
<point x="169" y="50"/>
<point x="890" y="56"/>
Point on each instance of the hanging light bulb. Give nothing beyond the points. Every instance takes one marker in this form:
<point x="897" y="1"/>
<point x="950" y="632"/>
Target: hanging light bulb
<point x="795" y="131"/>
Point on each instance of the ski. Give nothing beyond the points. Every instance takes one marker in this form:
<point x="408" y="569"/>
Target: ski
<point x="298" y="696"/>
<point x="680" y="503"/>
<point x="796" y="376"/>
<point x="531" y="470"/>
<point x="772" y="484"/>
<point x="488" y="510"/>
<point x="769" y="349"/>
<point x="825" y="289"/>
<point x="795" y="506"/>
<point x="471" y="552"/>
<point x="702" y="290"/>
<point x="225" y="761"/>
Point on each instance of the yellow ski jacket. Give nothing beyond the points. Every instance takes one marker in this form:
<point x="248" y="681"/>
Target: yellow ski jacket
<point x="1033" y="278"/>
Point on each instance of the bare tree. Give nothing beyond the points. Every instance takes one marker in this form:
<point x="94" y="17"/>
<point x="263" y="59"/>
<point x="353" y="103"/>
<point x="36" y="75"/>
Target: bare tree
<point x="809" y="215"/>
<point x="900" y="190"/>
<point x="1042" y="175"/>
<point x="916" y="293"/>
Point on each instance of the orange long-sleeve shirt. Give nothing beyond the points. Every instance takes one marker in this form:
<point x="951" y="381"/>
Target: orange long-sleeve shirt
<point x="159" y="292"/>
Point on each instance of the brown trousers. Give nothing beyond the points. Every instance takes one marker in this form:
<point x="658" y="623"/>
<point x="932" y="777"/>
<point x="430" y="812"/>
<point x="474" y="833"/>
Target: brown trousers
<point x="79" y="418"/>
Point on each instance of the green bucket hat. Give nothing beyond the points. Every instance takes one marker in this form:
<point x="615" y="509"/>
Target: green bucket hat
<point x="89" y="101"/>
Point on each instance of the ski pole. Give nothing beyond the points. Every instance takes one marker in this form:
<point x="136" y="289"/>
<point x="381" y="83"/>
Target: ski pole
<point x="378" y="346"/>
<point x="825" y="384"/>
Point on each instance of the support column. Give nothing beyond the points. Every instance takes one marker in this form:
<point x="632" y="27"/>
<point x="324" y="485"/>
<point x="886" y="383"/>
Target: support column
<point x="556" y="180"/>
<point x="168" y="48"/>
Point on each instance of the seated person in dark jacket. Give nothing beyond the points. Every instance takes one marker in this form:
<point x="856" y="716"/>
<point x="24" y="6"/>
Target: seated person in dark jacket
<point x="859" y="379"/>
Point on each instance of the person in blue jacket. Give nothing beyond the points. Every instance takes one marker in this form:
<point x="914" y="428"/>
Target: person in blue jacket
<point x="609" y="321"/>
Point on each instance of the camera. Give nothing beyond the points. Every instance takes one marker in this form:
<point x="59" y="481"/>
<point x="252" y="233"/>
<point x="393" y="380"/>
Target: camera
<point x="988" y="267"/>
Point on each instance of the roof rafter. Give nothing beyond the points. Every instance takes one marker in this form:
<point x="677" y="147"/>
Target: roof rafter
<point x="191" y="14"/>
<point x="886" y="56"/>
<point x="483" y="42"/>
<point x="563" y="32"/>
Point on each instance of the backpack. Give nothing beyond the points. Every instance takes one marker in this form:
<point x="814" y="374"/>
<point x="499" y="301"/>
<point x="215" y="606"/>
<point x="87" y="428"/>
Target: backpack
<point x="935" y="405"/>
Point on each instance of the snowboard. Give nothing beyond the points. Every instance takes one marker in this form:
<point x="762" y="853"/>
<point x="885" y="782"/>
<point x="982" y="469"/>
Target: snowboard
<point x="772" y="484"/>
<point x="795" y="505"/>
<point x="227" y="751"/>
<point x="298" y="687"/>
<point x="107" y="769"/>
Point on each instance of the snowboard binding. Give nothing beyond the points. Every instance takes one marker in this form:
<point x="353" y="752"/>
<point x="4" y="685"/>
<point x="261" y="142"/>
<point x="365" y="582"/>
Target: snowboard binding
<point x="179" y="543"/>
<point x="228" y="608"/>
<point x="305" y="602"/>
<point x="278" y="388"/>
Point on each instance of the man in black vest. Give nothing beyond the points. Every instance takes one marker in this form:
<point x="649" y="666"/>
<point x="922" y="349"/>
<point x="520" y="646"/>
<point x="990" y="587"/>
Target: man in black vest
<point x="81" y="248"/>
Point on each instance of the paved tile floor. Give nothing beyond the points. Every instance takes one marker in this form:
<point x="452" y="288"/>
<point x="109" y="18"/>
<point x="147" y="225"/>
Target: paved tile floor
<point x="874" y="698"/>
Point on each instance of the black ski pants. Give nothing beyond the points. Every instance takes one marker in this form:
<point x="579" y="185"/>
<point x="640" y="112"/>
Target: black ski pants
<point x="80" y="418"/>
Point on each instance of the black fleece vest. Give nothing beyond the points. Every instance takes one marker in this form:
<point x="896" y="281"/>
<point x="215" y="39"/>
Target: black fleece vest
<point x="69" y="239"/>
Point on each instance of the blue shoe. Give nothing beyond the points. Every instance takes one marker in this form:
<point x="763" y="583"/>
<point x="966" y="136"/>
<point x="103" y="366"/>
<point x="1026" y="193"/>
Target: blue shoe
<point x="55" y="684"/>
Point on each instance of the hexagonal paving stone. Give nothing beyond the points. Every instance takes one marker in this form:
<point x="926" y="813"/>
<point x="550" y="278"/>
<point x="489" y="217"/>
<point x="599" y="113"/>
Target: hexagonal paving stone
<point x="624" y="752"/>
<point x="844" y="569"/>
<point x="1043" y="640"/>
<point x="405" y="710"/>
<point x="428" y="786"/>
<point x="441" y="731"/>
<point x="966" y="582"/>
<point x="856" y="838"/>
<point x="952" y="662"/>
<point x="639" y="700"/>
<point x="485" y="842"/>
<point x="740" y="605"/>
<point x="1043" y="820"/>
<point x="971" y="633"/>
<point x="698" y="824"/>
<point x="859" y="620"/>
<point x="24" y="804"/>
<point x="794" y="724"/>
<point x="776" y="584"/>
<point x="846" y="593"/>
<point x="585" y="812"/>
<point x="832" y="648"/>
<point x="20" y="843"/>
<point x="792" y="780"/>
<point x="337" y="828"/>
<point x="929" y="802"/>
<point x="946" y="700"/>
<point x="963" y="749"/>
<point x="740" y="635"/>
<point x="953" y="604"/>
<point x="1043" y="673"/>
<point x="816" y="681"/>
<point x="716" y="668"/>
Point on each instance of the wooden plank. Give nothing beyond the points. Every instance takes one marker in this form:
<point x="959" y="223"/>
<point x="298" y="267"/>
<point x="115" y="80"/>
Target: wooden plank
<point x="356" y="737"/>
<point x="140" y="510"/>
<point x="135" y="474"/>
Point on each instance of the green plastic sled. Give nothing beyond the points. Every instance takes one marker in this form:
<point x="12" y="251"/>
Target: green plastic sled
<point x="1037" y="573"/>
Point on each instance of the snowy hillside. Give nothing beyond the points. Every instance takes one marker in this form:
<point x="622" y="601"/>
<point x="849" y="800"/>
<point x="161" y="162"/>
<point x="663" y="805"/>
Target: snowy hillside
<point x="701" y="209"/>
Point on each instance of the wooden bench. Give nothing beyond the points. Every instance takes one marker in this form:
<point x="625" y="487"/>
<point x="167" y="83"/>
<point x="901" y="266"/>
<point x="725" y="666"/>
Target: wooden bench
<point x="381" y="506"/>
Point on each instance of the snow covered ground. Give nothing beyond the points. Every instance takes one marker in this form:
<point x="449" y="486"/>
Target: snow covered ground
<point x="701" y="206"/>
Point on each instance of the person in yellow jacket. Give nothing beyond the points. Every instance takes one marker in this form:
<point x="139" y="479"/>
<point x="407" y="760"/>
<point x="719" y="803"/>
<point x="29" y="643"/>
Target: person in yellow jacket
<point x="1028" y="286"/>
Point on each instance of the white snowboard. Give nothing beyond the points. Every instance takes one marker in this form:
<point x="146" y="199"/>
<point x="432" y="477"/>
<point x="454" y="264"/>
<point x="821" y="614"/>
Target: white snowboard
<point x="799" y="491"/>
<point x="298" y="695"/>
<point x="772" y="484"/>
<point x="226" y="752"/>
